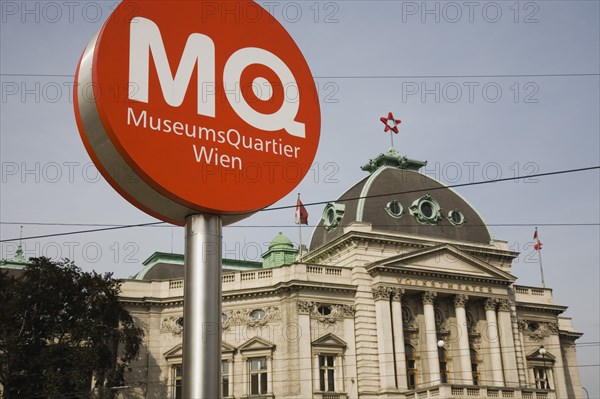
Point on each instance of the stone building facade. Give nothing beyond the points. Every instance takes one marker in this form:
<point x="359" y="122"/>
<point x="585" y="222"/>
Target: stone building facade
<point x="403" y="294"/>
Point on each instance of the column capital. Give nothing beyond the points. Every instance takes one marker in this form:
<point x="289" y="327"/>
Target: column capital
<point x="429" y="297"/>
<point x="504" y="305"/>
<point x="460" y="300"/>
<point x="397" y="294"/>
<point x="490" y="304"/>
<point x="382" y="293"/>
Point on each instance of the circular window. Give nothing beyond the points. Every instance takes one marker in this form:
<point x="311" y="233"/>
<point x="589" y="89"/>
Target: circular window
<point x="224" y="317"/>
<point x="324" y="310"/>
<point x="179" y="321"/>
<point x="533" y="326"/>
<point x="426" y="210"/>
<point x="394" y="209"/>
<point x="258" y="314"/>
<point x="456" y="217"/>
<point x="332" y="215"/>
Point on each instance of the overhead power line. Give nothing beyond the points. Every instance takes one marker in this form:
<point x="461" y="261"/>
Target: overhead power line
<point x="476" y="183"/>
<point x="358" y="77"/>
<point x="560" y="172"/>
<point x="261" y="226"/>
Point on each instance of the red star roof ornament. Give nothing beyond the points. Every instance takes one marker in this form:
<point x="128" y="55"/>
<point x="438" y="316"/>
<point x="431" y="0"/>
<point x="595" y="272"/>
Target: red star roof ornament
<point x="390" y="123"/>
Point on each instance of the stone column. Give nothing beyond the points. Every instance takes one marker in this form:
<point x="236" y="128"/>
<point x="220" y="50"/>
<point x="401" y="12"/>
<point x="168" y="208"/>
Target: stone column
<point x="383" y="316"/>
<point x="231" y="374"/>
<point x="305" y="349"/>
<point x="464" y="351"/>
<point x="401" y="381"/>
<point x="431" y="338"/>
<point x="507" y="344"/>
<point x="270" y="374"/>
<point x="494" y="342"/>
<point x="560" y="385"/>
<point x="569" y="358"/>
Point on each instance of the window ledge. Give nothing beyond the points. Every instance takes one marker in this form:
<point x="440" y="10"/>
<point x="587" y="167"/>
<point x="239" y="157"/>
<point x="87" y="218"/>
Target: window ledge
<point x="329" y="395"/>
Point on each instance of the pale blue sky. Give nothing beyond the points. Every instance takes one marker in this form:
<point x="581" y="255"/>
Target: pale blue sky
<point x="533" y="68"/>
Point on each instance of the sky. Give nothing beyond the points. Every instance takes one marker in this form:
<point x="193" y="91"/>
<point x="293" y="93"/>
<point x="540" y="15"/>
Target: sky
<point x="485" y="90"/>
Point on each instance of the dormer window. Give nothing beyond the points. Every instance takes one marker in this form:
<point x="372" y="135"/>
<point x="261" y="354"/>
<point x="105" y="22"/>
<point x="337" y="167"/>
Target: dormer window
<point x="394" y="209"/>
<point x="456" y="217"/>
<point x="426" y="210"/>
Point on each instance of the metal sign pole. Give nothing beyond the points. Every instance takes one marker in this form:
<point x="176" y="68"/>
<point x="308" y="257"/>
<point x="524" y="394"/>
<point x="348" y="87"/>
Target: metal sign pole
<point x="202" y="307"/>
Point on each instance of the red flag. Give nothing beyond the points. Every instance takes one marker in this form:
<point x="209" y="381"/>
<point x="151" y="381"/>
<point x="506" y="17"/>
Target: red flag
<point x="301" y="212"/>
<point x="537" y="244"/>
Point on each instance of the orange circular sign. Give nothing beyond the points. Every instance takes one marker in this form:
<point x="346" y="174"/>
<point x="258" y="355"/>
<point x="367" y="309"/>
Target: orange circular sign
<point x="197" y="107"/>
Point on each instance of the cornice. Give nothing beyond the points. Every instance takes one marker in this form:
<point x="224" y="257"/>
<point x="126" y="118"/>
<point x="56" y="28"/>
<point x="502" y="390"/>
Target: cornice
<point x="152" y="301"/>
<point x="293" y="285"/>
<point x="441" y="275"/>
<point x="540" y="307"/>
<point x="381" y="237"/>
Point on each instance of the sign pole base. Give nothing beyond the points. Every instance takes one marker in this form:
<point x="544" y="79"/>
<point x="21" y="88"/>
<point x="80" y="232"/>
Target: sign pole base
<point x="202" y="307"/>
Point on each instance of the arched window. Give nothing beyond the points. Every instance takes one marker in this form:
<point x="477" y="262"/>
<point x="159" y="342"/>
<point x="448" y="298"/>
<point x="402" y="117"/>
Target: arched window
<point x="411" y="366"/>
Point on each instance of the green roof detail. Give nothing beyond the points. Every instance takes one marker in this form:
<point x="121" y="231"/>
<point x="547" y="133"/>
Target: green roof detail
<point x="281" y="252"/>
<point x="393" y="159"/>
<point x="178" y="259"/>
<point x="16" y="262"/>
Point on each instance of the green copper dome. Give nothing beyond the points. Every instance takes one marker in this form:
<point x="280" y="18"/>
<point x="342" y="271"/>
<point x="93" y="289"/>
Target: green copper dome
<point x="281" y="242"/>
<point x="281" y="252"/>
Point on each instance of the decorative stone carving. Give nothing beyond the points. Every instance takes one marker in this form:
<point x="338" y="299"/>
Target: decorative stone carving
<point x="490" y="304"/>
<point x="504" y="305"/>
<point x="337" y="312"/>
<point x="173" y="325"/>
<point x="305" y="307"/>
<point x="460" y="300"/>
<point x="429" y="297"/>
<point x="412" y="338"/>
<point x="242" y="316"/>
<point x="409" y="323"/>
<point x="536" y="331"/>
<point x="346" y="310"/>
<point x="382" y="293"/>
<point x="397" y="294"/>
<point x="226" y="318"/>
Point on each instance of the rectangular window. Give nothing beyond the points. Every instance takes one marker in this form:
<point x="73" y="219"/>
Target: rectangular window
<point x="475" y="369"/>
<point x="541" y="378"/>
<point x="443" y="365"/>
<point x="178" y="381"/>
<point x="327" y="372"/>
<point x="411" y="373"/>
<point x="258" y="376"/>
<point x="444" y="372"/>
<point x="224" y="378"/>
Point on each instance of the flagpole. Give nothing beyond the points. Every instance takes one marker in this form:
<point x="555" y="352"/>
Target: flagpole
<point x="537" y="245"/>
<point x="541" y="268"/>
<point x="299" y="233"/>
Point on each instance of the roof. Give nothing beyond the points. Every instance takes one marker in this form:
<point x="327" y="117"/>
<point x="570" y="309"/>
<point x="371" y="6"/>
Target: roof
<point x="423" y="206"/>
<point x="168" y="266"/>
